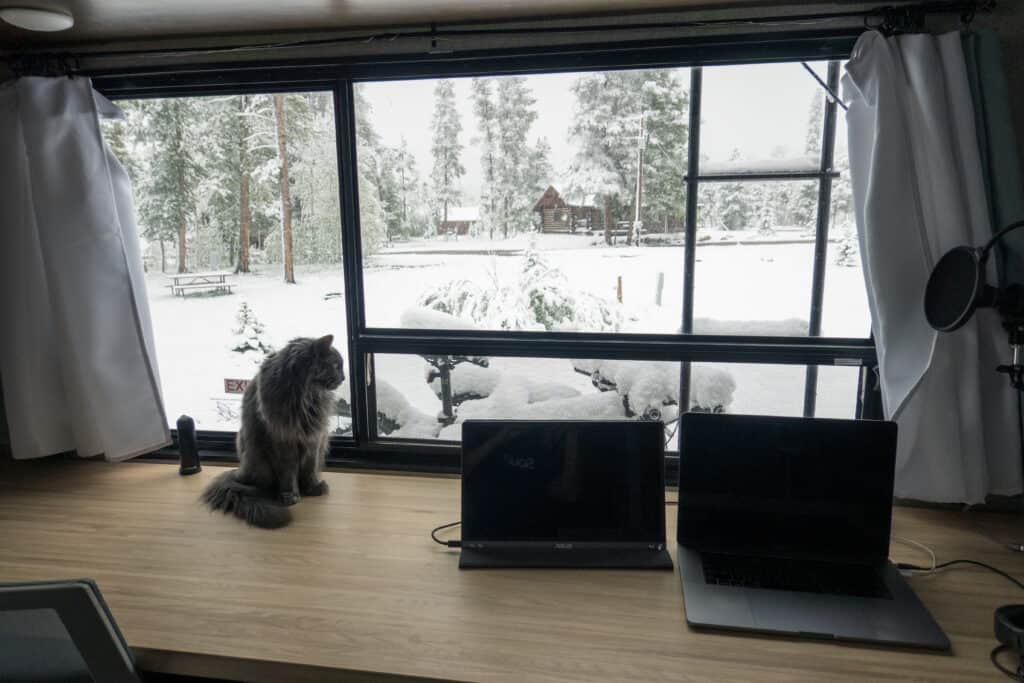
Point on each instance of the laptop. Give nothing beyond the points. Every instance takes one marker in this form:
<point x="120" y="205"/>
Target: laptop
<point x="563" y="494"/>
<point x="783" y="528"/>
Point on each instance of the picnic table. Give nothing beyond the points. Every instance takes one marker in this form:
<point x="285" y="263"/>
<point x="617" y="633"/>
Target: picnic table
<point x="182" y="283"/>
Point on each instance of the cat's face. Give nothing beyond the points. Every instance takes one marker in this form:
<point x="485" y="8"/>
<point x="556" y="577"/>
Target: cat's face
<point x="328" y="371"/>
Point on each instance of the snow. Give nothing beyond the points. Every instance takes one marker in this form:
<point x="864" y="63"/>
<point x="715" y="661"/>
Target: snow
<point x="468" y="214"/>
<point x="735" y="284"/>
<point x="469" y="379"/>
<point x="801" y="164"/>
<point x="428" y="319"/>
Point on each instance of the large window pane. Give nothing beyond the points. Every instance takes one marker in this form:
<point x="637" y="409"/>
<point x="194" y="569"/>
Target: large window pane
<point x="755" y="257"/>
<point x="763" y="389"/>
<point x="511" y="202"/>
<point x="239" y="218"/>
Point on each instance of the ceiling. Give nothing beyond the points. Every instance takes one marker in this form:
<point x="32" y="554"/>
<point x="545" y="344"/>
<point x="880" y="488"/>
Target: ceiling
<point x="133" y="20"/>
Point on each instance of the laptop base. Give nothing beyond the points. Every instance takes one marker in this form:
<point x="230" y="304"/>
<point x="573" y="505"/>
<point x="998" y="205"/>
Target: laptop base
<point x="899" y="619"/>
<point x="547" y="558"/>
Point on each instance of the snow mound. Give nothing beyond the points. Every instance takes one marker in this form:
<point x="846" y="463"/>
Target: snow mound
<point x="433" y="319"/>
<point x="711" y="389"/>
<point x="651" y="389"/>
<point x="788" y="327"/>
<point x="476" y="382"/>
<point x="397" y="418"/>
<point x="603" y="406"/>
<point x="800" y="164"/>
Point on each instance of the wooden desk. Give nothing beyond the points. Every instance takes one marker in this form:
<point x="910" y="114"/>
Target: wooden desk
<point x="357" y="586"/>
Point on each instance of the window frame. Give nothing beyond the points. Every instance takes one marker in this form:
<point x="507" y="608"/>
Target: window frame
<point x="368" y="450"/>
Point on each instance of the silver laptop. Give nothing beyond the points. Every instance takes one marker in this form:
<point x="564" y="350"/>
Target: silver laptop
<point x="784" y="528"/>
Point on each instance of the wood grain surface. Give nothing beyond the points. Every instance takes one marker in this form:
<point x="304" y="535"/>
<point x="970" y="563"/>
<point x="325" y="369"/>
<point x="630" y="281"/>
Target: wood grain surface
<point x="356" y="590"/>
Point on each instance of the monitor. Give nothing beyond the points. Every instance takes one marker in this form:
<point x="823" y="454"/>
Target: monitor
<point x="786" y="487"/>
<point x="577" y="482"/>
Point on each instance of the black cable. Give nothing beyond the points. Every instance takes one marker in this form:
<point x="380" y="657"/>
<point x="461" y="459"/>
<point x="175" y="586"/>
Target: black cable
<point x="996" y="237"/>
<point x="831" y="93"/>
<point x="1018" y="676"/>
<point x="449" y="544"/>
<point x="941" y="565"/>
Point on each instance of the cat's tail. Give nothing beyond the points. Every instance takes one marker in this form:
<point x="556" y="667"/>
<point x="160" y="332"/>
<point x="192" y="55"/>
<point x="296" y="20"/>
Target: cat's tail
<point x="248" y="503"/>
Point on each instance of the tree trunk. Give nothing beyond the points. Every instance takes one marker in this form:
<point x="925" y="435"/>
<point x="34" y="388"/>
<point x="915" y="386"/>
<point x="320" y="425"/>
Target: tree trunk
<point x="607" y="221"/>
<point x="182" y="229"/>
<point x="286" y="202"/>
<point x="244" y="223"/>
<point x="163" y="257"/>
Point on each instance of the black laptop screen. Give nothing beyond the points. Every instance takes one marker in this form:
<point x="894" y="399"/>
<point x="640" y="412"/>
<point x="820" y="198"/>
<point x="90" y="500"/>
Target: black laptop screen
<point x="563" y="481"/>
<point x="790" y="487"/>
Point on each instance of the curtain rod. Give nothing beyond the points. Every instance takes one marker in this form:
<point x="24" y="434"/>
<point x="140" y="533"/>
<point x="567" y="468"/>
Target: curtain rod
<point x="889" y="19"/>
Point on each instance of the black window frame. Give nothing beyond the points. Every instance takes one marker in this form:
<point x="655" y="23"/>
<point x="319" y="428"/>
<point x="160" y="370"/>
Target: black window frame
<point x="365" y="449"/>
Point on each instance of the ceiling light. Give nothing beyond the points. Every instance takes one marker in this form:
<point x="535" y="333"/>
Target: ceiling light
<point x="35" y="19"/>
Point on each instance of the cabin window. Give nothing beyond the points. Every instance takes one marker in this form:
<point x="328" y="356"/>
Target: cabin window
<point x="504" y="241"/>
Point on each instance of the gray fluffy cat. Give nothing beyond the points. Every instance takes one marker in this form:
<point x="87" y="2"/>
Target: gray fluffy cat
<point x="281" y="444"/>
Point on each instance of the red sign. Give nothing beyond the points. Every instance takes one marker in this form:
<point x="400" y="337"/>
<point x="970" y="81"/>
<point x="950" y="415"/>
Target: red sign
<point x="235" y="386"/>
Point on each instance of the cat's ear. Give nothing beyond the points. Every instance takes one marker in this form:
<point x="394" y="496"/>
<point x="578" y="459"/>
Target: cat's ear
<point x="323" y="344"/>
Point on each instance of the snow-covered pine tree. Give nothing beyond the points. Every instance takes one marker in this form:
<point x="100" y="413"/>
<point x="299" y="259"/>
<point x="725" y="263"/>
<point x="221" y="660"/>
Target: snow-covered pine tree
<point x="605" y="129"/>
<point x="315" y="182"/>
<point x="249" y="335"/>
<point x="539" y="173"/>
<point x="170" y="173"/>
<point x="516" y="114"/>
<point x="848" y="250"/>
<point x="407" y="185"/>
<point x="488" y="127"/>
<point x="446" y="149"/>
<point x="805" y="204"/>
<point x="736" y="207"/>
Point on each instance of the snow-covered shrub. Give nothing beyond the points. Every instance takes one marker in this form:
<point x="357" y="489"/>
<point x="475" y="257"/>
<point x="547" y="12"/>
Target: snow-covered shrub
<point x="508" y="403"/>
<point x="848" y="251"/>
<point x="542" y="298"/>
<point x="473" y="382"/>
<point x="397" y="418"/>
<point x="248" y="334"/>
<point x="650" y="390"/>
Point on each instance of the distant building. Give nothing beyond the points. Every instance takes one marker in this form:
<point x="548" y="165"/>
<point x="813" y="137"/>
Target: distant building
<point x="558" y="215"/>
<point x="461" y="219"/>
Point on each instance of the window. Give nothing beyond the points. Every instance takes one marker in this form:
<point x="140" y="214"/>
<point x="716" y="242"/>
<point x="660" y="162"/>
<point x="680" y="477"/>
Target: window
<point x="521" y="236"/>
<point x="237" y="261"/>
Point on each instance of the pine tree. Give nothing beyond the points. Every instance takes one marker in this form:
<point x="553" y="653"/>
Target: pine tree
<point x="735" y="201"/>
<point x="805" y="204"/>
<point x="605" y="127"/>
<point x="248" y="335"/>
<point x="445" y="148"/>
<point x="515" y="112"/>
<point x="407" y="184"/>
<point x="171" y="174"/>
<point x="538" y="173"/>
<point x="488" y="125"/>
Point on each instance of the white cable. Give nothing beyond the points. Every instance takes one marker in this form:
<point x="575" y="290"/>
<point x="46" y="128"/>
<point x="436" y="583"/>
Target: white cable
<point x="919" y="546"/>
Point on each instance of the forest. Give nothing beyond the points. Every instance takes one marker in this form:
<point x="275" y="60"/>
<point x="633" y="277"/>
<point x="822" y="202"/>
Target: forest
<point x="232" y="182"/>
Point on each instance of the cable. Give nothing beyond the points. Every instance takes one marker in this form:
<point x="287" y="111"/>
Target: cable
<point x="996" y="237"/>
<point x="449" y="544"/>
<point x="1018" y="676"/>
<point x="920" y="546"/>
<point x="950" y="563"/>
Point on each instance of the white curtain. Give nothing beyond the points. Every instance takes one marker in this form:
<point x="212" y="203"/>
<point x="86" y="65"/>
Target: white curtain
<point x="76" y="343"/>
<point x="918" y="191"/>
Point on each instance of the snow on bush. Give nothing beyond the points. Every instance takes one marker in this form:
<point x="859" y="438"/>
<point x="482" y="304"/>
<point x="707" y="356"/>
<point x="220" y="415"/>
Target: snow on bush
<point x="542" y="298"/>
<point x="650" y="390"/>
<point x="711" y="389"/>
<point x="397" y="418"/>
<point x="508" y="400"/>
<point x="473" y="382"/>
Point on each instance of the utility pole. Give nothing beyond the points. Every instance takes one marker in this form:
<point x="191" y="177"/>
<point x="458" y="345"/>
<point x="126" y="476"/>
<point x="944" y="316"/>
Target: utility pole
<point x="641" y="143"/>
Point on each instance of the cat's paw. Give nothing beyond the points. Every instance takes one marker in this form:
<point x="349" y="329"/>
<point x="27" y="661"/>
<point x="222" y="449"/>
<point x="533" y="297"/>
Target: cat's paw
<point x="319" y="489"/>
<point x="289" y="498"/>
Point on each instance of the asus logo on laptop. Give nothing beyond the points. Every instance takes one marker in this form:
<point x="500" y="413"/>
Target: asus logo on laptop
<point x="520" y="461"/>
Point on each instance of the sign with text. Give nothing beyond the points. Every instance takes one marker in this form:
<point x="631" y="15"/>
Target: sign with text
<point x="235" y="386"/>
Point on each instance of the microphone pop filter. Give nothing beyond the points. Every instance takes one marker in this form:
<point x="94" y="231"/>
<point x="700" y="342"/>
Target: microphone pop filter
<point x="955" y="289"/>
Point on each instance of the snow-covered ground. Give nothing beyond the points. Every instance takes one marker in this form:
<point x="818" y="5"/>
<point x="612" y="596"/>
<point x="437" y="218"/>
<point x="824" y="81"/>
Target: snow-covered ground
<point x="737" y="279"/>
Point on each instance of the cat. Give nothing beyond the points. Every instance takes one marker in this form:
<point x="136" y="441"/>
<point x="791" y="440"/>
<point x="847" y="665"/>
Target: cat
<point x="283" y="438"/>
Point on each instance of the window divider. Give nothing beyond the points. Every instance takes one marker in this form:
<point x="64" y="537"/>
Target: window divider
<point x="828" y="143"/>
<point x="692" y="181"/>
<point x="348" y="187"/>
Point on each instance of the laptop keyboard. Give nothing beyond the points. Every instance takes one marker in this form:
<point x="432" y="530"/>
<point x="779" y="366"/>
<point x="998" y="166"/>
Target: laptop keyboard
<point x="801" y="576"/>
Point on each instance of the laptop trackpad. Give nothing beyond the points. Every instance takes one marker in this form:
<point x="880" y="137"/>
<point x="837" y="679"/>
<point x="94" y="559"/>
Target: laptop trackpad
<point x="809" y="614"/>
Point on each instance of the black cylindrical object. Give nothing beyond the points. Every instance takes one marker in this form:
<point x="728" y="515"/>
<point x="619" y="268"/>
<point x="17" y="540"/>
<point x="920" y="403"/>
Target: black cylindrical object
<point x="187" y="446"/>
